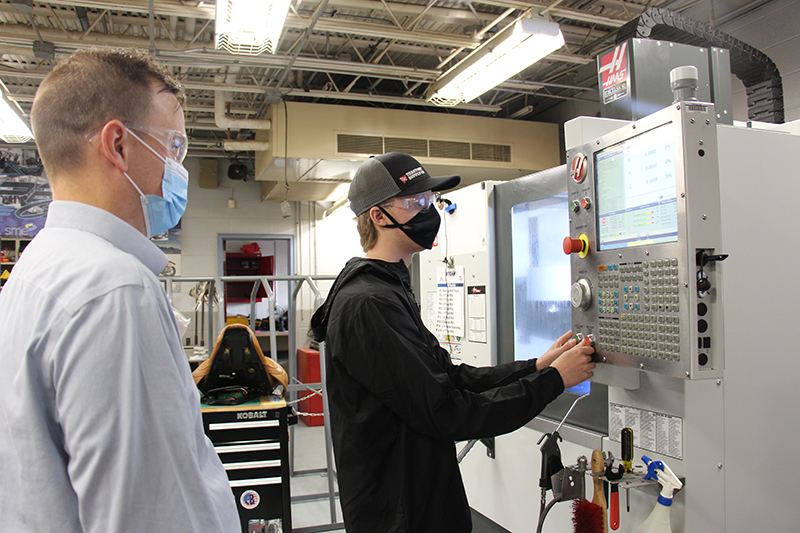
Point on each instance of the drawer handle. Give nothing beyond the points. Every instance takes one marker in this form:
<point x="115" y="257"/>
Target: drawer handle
<point x="244" y="425"/>
<point x="252" y="464"/>
<point x="252" y="482"/>
<point x="248" y="447"/>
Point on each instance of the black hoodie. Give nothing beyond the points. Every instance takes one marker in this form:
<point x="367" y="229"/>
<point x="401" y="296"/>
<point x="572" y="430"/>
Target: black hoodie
<point x="398" y="404"/>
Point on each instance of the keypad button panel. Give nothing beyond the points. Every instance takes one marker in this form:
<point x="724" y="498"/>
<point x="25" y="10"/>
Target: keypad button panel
<point x="638" y="305"/>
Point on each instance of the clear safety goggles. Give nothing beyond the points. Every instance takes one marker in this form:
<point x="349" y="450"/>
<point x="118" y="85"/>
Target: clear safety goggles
<point x="176" y="142"/>
<point x="420" y="202"/>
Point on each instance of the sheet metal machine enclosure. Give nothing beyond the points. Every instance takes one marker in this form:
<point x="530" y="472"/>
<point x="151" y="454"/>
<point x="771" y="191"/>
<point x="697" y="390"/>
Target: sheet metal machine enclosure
<point x="640" y="303"/>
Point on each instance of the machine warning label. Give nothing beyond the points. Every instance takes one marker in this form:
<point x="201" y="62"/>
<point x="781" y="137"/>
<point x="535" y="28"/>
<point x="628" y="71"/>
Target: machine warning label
<point x="476" y="313"/>
<point x="655" y="432"/>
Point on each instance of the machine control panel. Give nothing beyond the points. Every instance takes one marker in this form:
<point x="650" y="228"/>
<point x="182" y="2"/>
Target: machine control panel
<point x="644" y="207"/>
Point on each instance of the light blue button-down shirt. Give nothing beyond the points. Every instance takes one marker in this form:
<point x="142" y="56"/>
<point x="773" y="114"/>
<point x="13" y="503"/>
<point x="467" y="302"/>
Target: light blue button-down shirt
<point x="100" y="425"/>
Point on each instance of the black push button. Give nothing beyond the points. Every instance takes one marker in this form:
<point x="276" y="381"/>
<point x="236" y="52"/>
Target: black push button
<point x="702" y="309"/>
<point x="702" y="326"/>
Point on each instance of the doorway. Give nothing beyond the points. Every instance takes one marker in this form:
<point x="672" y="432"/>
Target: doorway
<point x="257" y="254"/>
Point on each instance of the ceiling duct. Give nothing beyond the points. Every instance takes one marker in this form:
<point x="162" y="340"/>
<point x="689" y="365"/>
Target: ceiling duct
<point x="318" y="147"/>
<point x="758" y="73"/>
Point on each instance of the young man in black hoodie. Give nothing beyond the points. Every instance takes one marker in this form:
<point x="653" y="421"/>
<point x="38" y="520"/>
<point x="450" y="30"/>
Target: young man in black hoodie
<point x="397" y="402"/>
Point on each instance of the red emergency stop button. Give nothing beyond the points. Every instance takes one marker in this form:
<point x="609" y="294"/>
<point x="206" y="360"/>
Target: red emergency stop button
<point x="578" y="246"/>
<point x="572" y="246"/>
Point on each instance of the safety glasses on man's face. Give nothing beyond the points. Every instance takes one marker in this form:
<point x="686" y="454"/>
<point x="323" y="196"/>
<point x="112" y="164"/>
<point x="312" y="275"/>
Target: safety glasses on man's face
<point x="416" y="202"/>
<point x="176" y="142"/>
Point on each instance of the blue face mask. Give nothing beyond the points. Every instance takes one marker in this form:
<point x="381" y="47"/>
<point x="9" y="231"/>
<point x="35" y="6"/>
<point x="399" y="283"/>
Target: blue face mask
<point x="164" y="213"/>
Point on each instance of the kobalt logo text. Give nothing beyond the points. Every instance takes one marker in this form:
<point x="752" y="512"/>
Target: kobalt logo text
<point x="246" y="415"/>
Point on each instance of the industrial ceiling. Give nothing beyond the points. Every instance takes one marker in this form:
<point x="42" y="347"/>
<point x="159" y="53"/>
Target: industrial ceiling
<point x="378" y="53"/>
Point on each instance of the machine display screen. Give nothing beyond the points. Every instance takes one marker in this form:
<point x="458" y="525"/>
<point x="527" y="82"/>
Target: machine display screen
<point x="636" y="190"/>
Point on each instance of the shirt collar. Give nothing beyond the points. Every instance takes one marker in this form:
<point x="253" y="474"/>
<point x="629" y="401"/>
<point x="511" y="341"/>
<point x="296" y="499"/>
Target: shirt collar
<point x="84" y="217"/>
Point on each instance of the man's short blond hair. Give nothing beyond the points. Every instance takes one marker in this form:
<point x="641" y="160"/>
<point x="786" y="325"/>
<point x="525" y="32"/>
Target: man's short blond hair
<point x="367" y="231"/>
<point x="84" y="92"/>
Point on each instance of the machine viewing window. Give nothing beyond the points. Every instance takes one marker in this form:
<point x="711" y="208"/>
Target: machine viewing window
<point x="542" y="308"/>
<point x="636" y="190"/>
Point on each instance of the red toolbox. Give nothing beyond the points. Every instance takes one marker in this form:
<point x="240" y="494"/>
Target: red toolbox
<point x="308" y="372"/>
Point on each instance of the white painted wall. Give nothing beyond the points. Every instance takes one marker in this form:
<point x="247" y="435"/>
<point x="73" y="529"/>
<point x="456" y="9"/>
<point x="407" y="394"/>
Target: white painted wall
<point x="207" y="215"/>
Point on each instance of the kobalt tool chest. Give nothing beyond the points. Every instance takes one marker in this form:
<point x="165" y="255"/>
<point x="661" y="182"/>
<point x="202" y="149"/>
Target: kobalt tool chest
<point x="251" y="439"/>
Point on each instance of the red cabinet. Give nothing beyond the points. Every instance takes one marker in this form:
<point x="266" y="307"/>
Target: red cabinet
<point x="246" y="264"/>
<point x="308" y="371"/>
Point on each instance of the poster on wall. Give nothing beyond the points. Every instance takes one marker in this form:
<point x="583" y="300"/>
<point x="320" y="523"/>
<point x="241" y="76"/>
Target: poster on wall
<point x="25" y="197"/>
<point x="24" y="193"/>
<point x="169" y="242"/>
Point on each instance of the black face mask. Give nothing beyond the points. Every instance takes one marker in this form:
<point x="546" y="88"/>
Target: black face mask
<point x="422" y="229"/>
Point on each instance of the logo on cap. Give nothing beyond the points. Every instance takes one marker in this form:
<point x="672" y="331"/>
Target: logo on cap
<point x="411" y="174"/>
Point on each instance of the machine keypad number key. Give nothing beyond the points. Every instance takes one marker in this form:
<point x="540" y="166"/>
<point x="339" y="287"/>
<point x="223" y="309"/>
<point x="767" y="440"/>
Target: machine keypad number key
<point x="638" y="304"/>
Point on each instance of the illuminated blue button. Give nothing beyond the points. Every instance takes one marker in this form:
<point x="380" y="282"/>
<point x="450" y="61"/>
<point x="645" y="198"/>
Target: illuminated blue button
<point x="615" y="267"/>
<point x="599" y="302"/>
<point x="616" y="310"/>
<point x="616" y="294"/>
<point x="616" y="302"/>
<point x="626" y="306"/>
<point x="636" y="306"/>
<point x="636" y="289"/>
<point x="625" y="288"/>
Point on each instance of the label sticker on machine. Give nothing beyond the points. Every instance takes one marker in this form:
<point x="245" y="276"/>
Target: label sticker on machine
<point x="449" y="303"/>
<point x="614" y="74"/>
<point x="476" y="313"/>
<point x="652" y="431"/>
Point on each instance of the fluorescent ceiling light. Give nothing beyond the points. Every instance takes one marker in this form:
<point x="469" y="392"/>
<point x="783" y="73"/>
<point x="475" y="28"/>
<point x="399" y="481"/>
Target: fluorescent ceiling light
<point x="12" y="128"/>
<point x="250" y="27"/>
<point x="512" y="50"/>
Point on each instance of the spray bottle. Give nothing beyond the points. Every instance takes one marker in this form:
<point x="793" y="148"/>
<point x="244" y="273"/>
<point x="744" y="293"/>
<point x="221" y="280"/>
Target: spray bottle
<point x="658" y="521"/>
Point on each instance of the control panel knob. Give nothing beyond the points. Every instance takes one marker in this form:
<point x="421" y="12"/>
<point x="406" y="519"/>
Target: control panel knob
<point x="581" y="294"/>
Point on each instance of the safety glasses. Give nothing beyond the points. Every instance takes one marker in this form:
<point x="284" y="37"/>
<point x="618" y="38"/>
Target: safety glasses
<point x="416" y="202"/>
<point x="176" y="142"/>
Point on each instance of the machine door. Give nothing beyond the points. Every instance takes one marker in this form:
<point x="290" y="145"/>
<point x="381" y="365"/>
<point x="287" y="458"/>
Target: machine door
<point x="534" y="306"/>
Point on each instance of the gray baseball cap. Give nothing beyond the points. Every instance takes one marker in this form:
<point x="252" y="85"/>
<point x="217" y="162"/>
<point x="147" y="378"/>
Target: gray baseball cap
<point x="386" y="176"/>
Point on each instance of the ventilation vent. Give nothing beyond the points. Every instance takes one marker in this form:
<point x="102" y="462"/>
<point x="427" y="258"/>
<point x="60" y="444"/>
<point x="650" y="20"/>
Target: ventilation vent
<point x="491" y="152"/>
<point x="359" y="144"/>
<point x="450" y="149"/>
<point x="415" y="147"/>
<point x="373" y="145"/>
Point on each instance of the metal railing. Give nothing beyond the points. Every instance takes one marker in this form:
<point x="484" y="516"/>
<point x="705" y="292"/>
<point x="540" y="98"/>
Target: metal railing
<point x="214" y="327"/>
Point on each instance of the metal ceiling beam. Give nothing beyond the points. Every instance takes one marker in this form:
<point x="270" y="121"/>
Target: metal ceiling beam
<point x="572" y="14"/>
<point x="389" y="100"/>
<point x="208" y="12"/>
<point x="24" y="35"/>
<point x="379" y="31"/>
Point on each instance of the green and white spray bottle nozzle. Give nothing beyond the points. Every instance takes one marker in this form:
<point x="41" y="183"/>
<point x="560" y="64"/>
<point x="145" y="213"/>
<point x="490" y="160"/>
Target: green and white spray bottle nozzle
<point x="659" y="471"/>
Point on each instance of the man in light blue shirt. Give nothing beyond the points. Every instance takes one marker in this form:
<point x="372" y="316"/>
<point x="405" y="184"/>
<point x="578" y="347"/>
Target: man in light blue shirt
<point x="100" y="425"/>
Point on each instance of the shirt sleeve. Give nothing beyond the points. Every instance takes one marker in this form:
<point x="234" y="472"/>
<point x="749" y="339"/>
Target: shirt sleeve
<point x="389" y="356"/>
<point x="138" y="460"/>
<point x="480" y="379"/>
